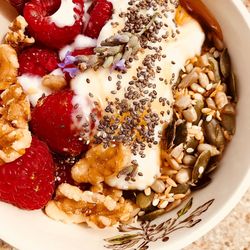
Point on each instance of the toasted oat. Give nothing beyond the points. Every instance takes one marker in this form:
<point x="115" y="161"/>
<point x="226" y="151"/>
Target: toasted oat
<point x="16" y="36"/>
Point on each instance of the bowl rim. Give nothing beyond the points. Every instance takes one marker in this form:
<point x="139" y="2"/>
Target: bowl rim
<point x="228" y="206"/>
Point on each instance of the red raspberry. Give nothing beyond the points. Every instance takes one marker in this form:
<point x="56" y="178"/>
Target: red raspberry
<point x="100" y="12"/>
<point x="86" y="52"/>
<point x="37" y="61"/>
<point x="52" y="122"/>
<point x="18" y="4"/>
<point x="28" y="182"/>
<point x="63" y="167"/>
<point x="37" y="13"/>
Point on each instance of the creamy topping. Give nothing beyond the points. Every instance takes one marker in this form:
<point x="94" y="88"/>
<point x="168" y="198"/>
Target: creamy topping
<point x="33" y="86"/>
<point x="65" y="15"/>
<point x="81" y="42"/>
<point x="173" y="46"/>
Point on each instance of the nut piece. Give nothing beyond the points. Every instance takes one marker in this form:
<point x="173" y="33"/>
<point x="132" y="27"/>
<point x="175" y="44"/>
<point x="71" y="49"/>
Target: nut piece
<point x="15" y="136"/>
<point x="72" y="205"/>
<point x="16" y="37"/>
<point x="8" y="66"/>
<point x="54" y="82"/>
<point x="100" y="163"/>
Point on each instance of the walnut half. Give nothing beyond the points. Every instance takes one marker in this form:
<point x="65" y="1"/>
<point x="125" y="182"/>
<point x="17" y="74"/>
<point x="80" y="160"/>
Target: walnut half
<point x="72" y="205"/>
<point x="15" y="136"/>
<point x="16" y="37"/>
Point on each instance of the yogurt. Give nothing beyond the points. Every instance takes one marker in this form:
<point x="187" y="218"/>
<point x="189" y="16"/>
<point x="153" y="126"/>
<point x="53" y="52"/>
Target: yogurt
<point x="65" y="15"/>
<point x="100" y="83"/>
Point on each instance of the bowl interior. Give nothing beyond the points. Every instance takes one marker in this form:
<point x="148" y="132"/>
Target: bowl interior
<point x="33" y="230"/>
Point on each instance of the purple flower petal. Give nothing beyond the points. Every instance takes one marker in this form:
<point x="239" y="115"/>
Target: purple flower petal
<point x="61" y="65"/>
<point x="120" y="65"/>
<point x="68" y="60"/>
<point x="72" y="71"/>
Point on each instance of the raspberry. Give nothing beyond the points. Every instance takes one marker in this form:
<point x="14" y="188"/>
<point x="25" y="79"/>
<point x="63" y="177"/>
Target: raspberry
<point x="37" y="14"/>
<point x="100" y="12"/>
<point x="52" y="122"/>
<point x="28" y="182"/>
<point x="18" y="4"/>
<point x="37" y="61"/>
<point x="63" y="167"/>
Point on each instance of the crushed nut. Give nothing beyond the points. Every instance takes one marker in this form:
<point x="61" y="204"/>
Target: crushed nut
<point x="100" y="163"/>
<point x="15" y="136"/>
<point x="8" y="66"/>
<point x="98" y="210"/>
<point x="16" y="37"/>
<point x="54" y="82"/>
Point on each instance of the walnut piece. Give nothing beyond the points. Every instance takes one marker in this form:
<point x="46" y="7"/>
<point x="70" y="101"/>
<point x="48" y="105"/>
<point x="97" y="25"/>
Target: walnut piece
<point x="72" y="205"/>
<point x="100" y="163"/>
<point x="15" y="136"/>
<point x="16" y="37"/>
<point x="8" y="66"/>
<point x="54" y="82"/>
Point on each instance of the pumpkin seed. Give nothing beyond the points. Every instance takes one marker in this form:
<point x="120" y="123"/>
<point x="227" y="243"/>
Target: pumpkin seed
<point x="192" y="143"/>
<point x="202" y="183"/>
<point x="215" y="67"/>
<point x="211" y="168"/>
<point x="180" y="133"/>
<point x="225" y="63"/>
<point x="228" y="118"/>
<point x="229" y="123"/>
<point x="232" y="87"/>
<point x="200" y="166"/>
<point x="198" y="108"/>
<point x="152" y="215"/>
<point x="144" y="201"/>
<point x="214" y="133"/>
<point x="180" y="189"/>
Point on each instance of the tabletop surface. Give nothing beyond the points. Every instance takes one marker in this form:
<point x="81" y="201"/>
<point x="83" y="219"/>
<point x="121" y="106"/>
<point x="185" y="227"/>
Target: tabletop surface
<point x="231" y="234"/>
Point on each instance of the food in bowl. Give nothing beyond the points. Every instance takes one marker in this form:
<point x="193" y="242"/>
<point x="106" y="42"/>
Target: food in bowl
<point x="112" y="111"/>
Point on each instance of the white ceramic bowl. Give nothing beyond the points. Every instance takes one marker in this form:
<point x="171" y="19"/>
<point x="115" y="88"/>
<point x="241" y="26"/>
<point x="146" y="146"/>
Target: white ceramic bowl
<point x="34" y="230"/>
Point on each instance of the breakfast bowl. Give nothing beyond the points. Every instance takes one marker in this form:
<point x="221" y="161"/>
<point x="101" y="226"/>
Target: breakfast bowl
<point x="199" y="211"/>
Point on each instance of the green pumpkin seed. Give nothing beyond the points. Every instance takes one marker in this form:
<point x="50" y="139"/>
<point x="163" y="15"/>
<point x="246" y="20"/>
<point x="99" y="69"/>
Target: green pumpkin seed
<point x="229" y="123"/>
<point x="144" y="201"/>
<point x="198" y="107"/>
<point x="211" y="168"/>
<point x="228" y="117"/>
<point x="232" y="87"/>
<point x="202" y="183"/>
<point x="214" y="133"/>
<point x="225" y="63"/>
<point x="180" y="134"/>
<point x="191" y="144"/>
<point x="200" y="166"/>
<point x="180" y="189"/>
<point x="152" y="215"/>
